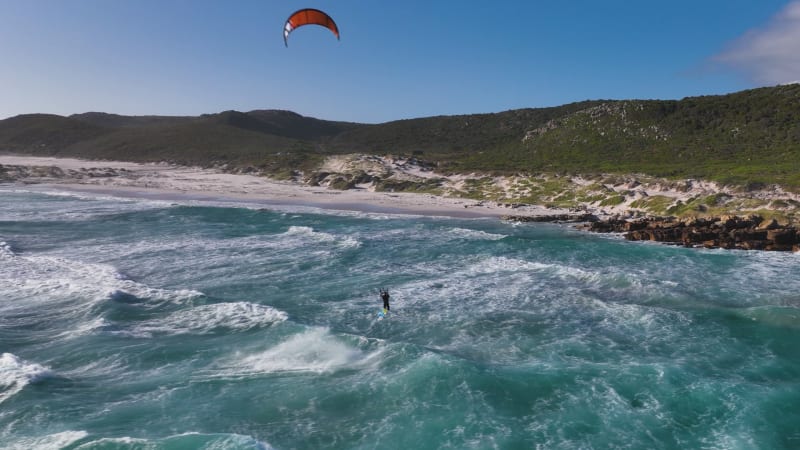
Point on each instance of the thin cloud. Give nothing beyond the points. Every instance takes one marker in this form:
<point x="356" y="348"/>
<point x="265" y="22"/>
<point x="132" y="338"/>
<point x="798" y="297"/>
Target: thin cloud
<point x="768" y="55"/>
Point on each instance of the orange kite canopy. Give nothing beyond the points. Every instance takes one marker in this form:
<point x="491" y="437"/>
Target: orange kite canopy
<point x="308" y="16"/>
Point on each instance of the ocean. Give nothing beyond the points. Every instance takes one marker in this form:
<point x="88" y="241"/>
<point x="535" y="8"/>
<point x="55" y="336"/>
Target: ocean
<point x="159" y="324"/>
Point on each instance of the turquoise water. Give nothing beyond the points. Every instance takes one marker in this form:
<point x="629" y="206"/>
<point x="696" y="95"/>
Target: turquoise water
<point x="137" y="324"/>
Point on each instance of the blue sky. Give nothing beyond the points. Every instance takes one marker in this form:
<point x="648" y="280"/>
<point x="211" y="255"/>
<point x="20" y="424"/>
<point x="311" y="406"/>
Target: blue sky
<point x="395" y="59"/>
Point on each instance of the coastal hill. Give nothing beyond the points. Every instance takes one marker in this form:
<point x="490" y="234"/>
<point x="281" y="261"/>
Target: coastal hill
<point x="699" y="156"/>
<point x="748" y="137"/>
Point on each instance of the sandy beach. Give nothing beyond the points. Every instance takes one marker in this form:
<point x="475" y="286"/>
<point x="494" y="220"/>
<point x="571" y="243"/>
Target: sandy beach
<point x="170" y="182"/>
<point x="621" y="196"/>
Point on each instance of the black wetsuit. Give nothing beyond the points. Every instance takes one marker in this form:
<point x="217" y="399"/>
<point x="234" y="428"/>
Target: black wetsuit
<point x="385" y="297"/>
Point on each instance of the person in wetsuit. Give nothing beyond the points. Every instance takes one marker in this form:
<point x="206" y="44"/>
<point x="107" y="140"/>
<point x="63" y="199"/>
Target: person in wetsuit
<point x="385" y="298"/>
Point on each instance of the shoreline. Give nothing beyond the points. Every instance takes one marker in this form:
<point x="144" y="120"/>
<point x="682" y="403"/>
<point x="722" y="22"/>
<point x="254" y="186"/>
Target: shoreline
<point x="124" y="192"/>
<point x="175" y="183"/>
<point x="164" y="182"/>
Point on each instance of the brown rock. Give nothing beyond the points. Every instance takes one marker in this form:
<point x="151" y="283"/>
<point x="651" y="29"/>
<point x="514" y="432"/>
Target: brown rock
<point x="768" y="225"/>
<point x="753" y="245"/>
<point x="695" y="235"/>
<point x="785" y="236"/>
<point x="729" y="232"/>
<point x="748" y="234"/>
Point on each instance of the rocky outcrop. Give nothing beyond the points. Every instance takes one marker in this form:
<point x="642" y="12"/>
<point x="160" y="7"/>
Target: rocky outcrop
<point x="557" y="218"/>
<point x="729" y="232"/>
<point x="340" y="181"/>
<point x="11" y="173"/>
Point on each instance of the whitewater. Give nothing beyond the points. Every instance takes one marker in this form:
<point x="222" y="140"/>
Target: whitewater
<point x="161" y="324"/>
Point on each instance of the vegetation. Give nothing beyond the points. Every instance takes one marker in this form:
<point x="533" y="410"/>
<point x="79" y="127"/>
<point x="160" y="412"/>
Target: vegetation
<point x="431" y="186"/>
<point x="749" y="139"/>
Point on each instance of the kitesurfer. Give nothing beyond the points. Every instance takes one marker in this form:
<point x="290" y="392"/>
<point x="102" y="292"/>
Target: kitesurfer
<point x="385" y="298"/>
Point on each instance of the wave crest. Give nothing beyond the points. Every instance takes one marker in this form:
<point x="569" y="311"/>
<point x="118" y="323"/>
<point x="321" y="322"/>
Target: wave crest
<point x="204" y="319"/>
<point x="16" y="373"/>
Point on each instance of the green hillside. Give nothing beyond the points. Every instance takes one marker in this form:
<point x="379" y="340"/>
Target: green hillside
<point x="747" y="138"/>
<point x="751" y="136"/>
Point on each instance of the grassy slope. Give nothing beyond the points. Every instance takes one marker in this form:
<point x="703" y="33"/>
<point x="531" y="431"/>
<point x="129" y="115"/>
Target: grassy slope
<point x="748" y="137"/>
<point x="751" y="136"/>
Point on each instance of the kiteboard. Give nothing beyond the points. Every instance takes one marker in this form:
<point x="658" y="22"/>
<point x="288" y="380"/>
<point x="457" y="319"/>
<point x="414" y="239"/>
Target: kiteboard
<point x="383" y="313"/>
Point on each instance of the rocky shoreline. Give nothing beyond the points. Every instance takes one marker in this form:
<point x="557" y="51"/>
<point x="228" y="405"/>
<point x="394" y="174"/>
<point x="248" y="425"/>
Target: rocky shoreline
<point x="739" y="230"/>
<point x="751" y="232"/>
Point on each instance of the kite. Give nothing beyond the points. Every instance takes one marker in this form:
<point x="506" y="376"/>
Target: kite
<point x="308" y="16"/>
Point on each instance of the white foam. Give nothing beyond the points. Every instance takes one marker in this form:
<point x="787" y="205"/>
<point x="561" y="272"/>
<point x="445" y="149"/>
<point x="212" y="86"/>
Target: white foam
<point x="55" y="441"/>
<point x="44" y="278"/>
<point x="16" y="373"/>
<point x="5" y="250"/>
<point x="84" y="328"/>
<point x="231" y="249"/>
<point x="88" y="205"/>
<point x="349" y="242"/>
<point x="516" y="274"/>
<point x="126" y="441"/>
<point x="499" y="264"/>
<point x="309" y="232"/>
<point x="300" y="236"/>
<point x="315" y="350"/>
<point x="240" y="316"/>
<point x="205" y="441"/>
<point x="465" y="233"/>
<point x="312" y="351"/>
<point x="652" y="325"/>
<point x="106" y="367"/>
<point x="93" y="196"/>
<point x="436" y="234"/>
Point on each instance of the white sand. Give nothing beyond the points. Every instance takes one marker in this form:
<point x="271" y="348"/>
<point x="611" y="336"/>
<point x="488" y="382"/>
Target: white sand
<point x="169" y="182"/>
